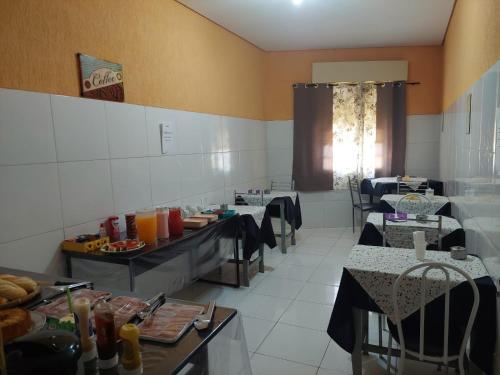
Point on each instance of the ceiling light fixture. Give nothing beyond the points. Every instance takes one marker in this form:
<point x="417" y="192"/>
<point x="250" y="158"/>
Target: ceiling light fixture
<point x="297" y="2"/>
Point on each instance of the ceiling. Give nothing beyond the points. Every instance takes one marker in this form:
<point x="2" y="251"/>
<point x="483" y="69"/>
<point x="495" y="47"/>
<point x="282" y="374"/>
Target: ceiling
<point x="278" y="25"/>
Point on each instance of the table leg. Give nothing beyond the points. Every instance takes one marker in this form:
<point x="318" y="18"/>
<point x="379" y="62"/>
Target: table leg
<point x="366" y="329"/>
<point x="236" y="260"/>
<point x="293" y="231"/>
<point x="131" y="276"/>
<point x="356" y="356"/>
<point x="261" y="256"/>
<point x="283" y="227"/>
<point x="69" y="270"/>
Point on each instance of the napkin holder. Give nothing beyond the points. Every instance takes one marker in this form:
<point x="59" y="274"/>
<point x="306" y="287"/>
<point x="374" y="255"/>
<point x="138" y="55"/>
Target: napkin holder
<point x="458" y="252"/>
<point x="396" y="216"/>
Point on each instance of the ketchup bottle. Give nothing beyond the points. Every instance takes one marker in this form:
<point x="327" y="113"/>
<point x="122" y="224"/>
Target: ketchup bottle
<point x="106" y="335"/>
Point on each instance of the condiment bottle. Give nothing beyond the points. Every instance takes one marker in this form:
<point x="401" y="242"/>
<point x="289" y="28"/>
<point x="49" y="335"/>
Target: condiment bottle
<point x="106" y="335"/>
<point x="81" y="309"/>
<point x="162" y="222"/>
<point x="131" y="356"/>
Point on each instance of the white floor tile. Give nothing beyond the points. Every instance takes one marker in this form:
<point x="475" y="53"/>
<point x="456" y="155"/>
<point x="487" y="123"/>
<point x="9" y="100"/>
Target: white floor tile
<point x="326" y="275"/>
<point x="279" y="287"/>
<point x="293" y="272"/>
<point x="338" y="359"/>
<point x="307" y="315"/>
<point x="322" y="371"/>
<point x="309" y="260"/>
<point x="318" y="293"/>
<point x="264" y="365"/>
<point x="264" y="307"/>
<point x="311" y="249"/>
<point x="346" y="242"/>
<point x="295" y="343"/>
<point x="255" y="331"/>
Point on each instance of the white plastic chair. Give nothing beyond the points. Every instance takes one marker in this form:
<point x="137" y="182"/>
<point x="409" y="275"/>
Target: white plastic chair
<point x="446" y="357"/>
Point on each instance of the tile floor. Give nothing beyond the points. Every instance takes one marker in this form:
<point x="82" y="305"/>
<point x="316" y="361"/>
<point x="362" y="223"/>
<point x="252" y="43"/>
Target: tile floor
<point x="286" y="310"/>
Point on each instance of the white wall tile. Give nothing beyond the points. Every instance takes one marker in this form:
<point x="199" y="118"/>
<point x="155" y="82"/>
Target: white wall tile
<point x="29" y="201"/>
<point x="189" y="133"/>
<point x="86" y="191"/>
<point x="154" y="117"/>
<point x="165" y="179"/>
<point x="422" y="155"/>
<point x="213" y="171"/>
<point x="231" y="134"/>
<point x="26" y="131"/>
<point x="280" y="161"/>
<point x="339" y="214"/>
<point x="39" y="253"/>
<point x="80" y="128"/>
<point x="312" y="214"/>
<point x="191" y="175"/>
<point x="490" y="83"/>
<point x="280" y="134"/>
<point x="423" y="128"/>
<point x="131" y="184"/>
<point x="211" y="130"/>
<point x="85" y="228"/>
<point x="232" y="171"/>
<point x="126" y="130"/>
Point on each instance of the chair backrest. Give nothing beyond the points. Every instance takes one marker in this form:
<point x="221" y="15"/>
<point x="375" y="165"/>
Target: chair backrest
<point x="282" y="184"/>
<point x="444" y="267"/>
<point x="404" y="188"/>
<point x="354" y="189"/>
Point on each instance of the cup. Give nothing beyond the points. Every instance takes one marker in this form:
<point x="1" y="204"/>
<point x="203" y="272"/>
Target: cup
<point x="419" y="244"/>
<point x="145" y="221"/>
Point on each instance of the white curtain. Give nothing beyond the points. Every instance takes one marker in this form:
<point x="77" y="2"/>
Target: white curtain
<point x="354" y="130"/>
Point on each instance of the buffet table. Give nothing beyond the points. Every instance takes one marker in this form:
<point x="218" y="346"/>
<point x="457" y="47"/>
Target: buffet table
<point x="366" y="285"/>
<point x="167" y="266"/>
<point x="220" y="349"/>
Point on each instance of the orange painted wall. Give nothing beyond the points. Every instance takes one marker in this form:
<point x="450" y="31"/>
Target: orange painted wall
<point x="172" y="57"/>
<point x="285" y="68"/>
<point x="471" y="47"/>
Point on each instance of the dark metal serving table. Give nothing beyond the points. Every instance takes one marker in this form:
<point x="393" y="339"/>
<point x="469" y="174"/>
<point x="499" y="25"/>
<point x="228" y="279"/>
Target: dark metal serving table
<point x="195" y="353"/>
<point x="201" y="249"/>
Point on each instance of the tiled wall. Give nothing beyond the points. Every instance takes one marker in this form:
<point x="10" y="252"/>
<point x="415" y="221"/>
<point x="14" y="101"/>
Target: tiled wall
<point x="67" y="163"/>
<point x="470" y="166"/>
<point x="333" y="208"/>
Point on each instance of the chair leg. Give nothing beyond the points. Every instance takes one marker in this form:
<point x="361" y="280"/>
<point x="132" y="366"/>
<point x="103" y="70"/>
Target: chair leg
<point x="389" y="353"/>
<point x="353" y="219"/>
<point x="380" y="332"/>
<point x="461" y="368"/>
<point x="362" y="219"/>
<point x="401" y="363"/>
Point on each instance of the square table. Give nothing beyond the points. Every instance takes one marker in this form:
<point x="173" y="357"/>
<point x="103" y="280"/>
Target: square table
<point x="400" y="234"/>
<point x="384" y="185"/>
<point x="438" y="205"/>
<point x="366" y="285"/>
<point x="282" y="204"/>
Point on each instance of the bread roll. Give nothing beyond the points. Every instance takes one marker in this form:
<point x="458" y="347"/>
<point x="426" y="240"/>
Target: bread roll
<point x="14" y="323"/>
<point x="26" y="283"/>
<point x="10" y="290"/>
<point x="3" y="300"/>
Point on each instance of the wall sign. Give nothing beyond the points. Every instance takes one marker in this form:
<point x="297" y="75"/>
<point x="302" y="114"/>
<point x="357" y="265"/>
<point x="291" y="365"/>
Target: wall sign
<point x="100" y="79"/>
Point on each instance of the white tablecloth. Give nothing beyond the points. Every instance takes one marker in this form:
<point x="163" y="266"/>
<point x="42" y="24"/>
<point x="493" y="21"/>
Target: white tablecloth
<point x="264" y="200"/>
<point x="376" y="269"/>
<point x="257" y="212"/>
<point x="400" y="234"/>
<point x="416" y="206"/>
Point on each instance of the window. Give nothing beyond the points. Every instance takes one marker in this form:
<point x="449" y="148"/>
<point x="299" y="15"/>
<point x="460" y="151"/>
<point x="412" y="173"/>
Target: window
<point x="353" y="132"/>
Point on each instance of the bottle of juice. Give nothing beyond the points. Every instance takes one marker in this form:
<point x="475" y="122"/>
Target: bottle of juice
<point x="162" y="222"/>
<point x="175" y="224"/>
<point x="106" y="335"/>
<point x="145" y="221"/>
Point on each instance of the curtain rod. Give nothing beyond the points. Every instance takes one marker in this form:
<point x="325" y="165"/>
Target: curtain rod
<point x="352" y="83"/>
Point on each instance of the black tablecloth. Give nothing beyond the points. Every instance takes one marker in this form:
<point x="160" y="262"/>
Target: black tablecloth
<point x="383" y="206"/>
<point x="254" y="235"/>
<point x="483" y="336"/>
<point x="291" y="210"/>
<point x="382" y="188"/>
<point x="372" y="237"/>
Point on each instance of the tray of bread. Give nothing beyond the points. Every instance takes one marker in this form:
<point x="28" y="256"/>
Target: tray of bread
<point x="169" y="322"/>
<point x="16" y="290"/>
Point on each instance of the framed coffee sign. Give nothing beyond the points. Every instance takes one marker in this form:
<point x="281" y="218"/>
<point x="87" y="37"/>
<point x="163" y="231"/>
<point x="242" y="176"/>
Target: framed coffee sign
<point x="100" y="79"/>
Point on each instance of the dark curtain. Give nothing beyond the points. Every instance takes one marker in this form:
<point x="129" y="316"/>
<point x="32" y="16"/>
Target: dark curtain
<point x="391" y="130"/>
<point x="312" y="137"/>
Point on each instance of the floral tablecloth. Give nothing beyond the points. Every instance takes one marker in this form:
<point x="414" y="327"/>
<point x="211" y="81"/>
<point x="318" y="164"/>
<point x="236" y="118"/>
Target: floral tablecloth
<point x="257" y="212"/>
<point x="265" y="199"/>
<point x="417" y="205"/>
<point x="400" y="234"/>
<point x="376" y="269"/>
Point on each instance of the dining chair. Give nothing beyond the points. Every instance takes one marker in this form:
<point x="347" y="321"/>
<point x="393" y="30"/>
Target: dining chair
<point x="416" y="348"/>
<point x="357" y="201"/>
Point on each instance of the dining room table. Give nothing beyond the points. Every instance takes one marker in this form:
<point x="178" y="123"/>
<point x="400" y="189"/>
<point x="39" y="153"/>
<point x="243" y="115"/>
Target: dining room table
<point x="366" y="286"/>
<point x="284" y="205"/>
<point x="415" y="204"/>
<point x="377" y="187"/>
<point x="399" y="233"/>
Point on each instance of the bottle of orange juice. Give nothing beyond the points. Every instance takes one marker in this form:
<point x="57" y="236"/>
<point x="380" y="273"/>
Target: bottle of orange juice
<point x="145" y="221"/>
